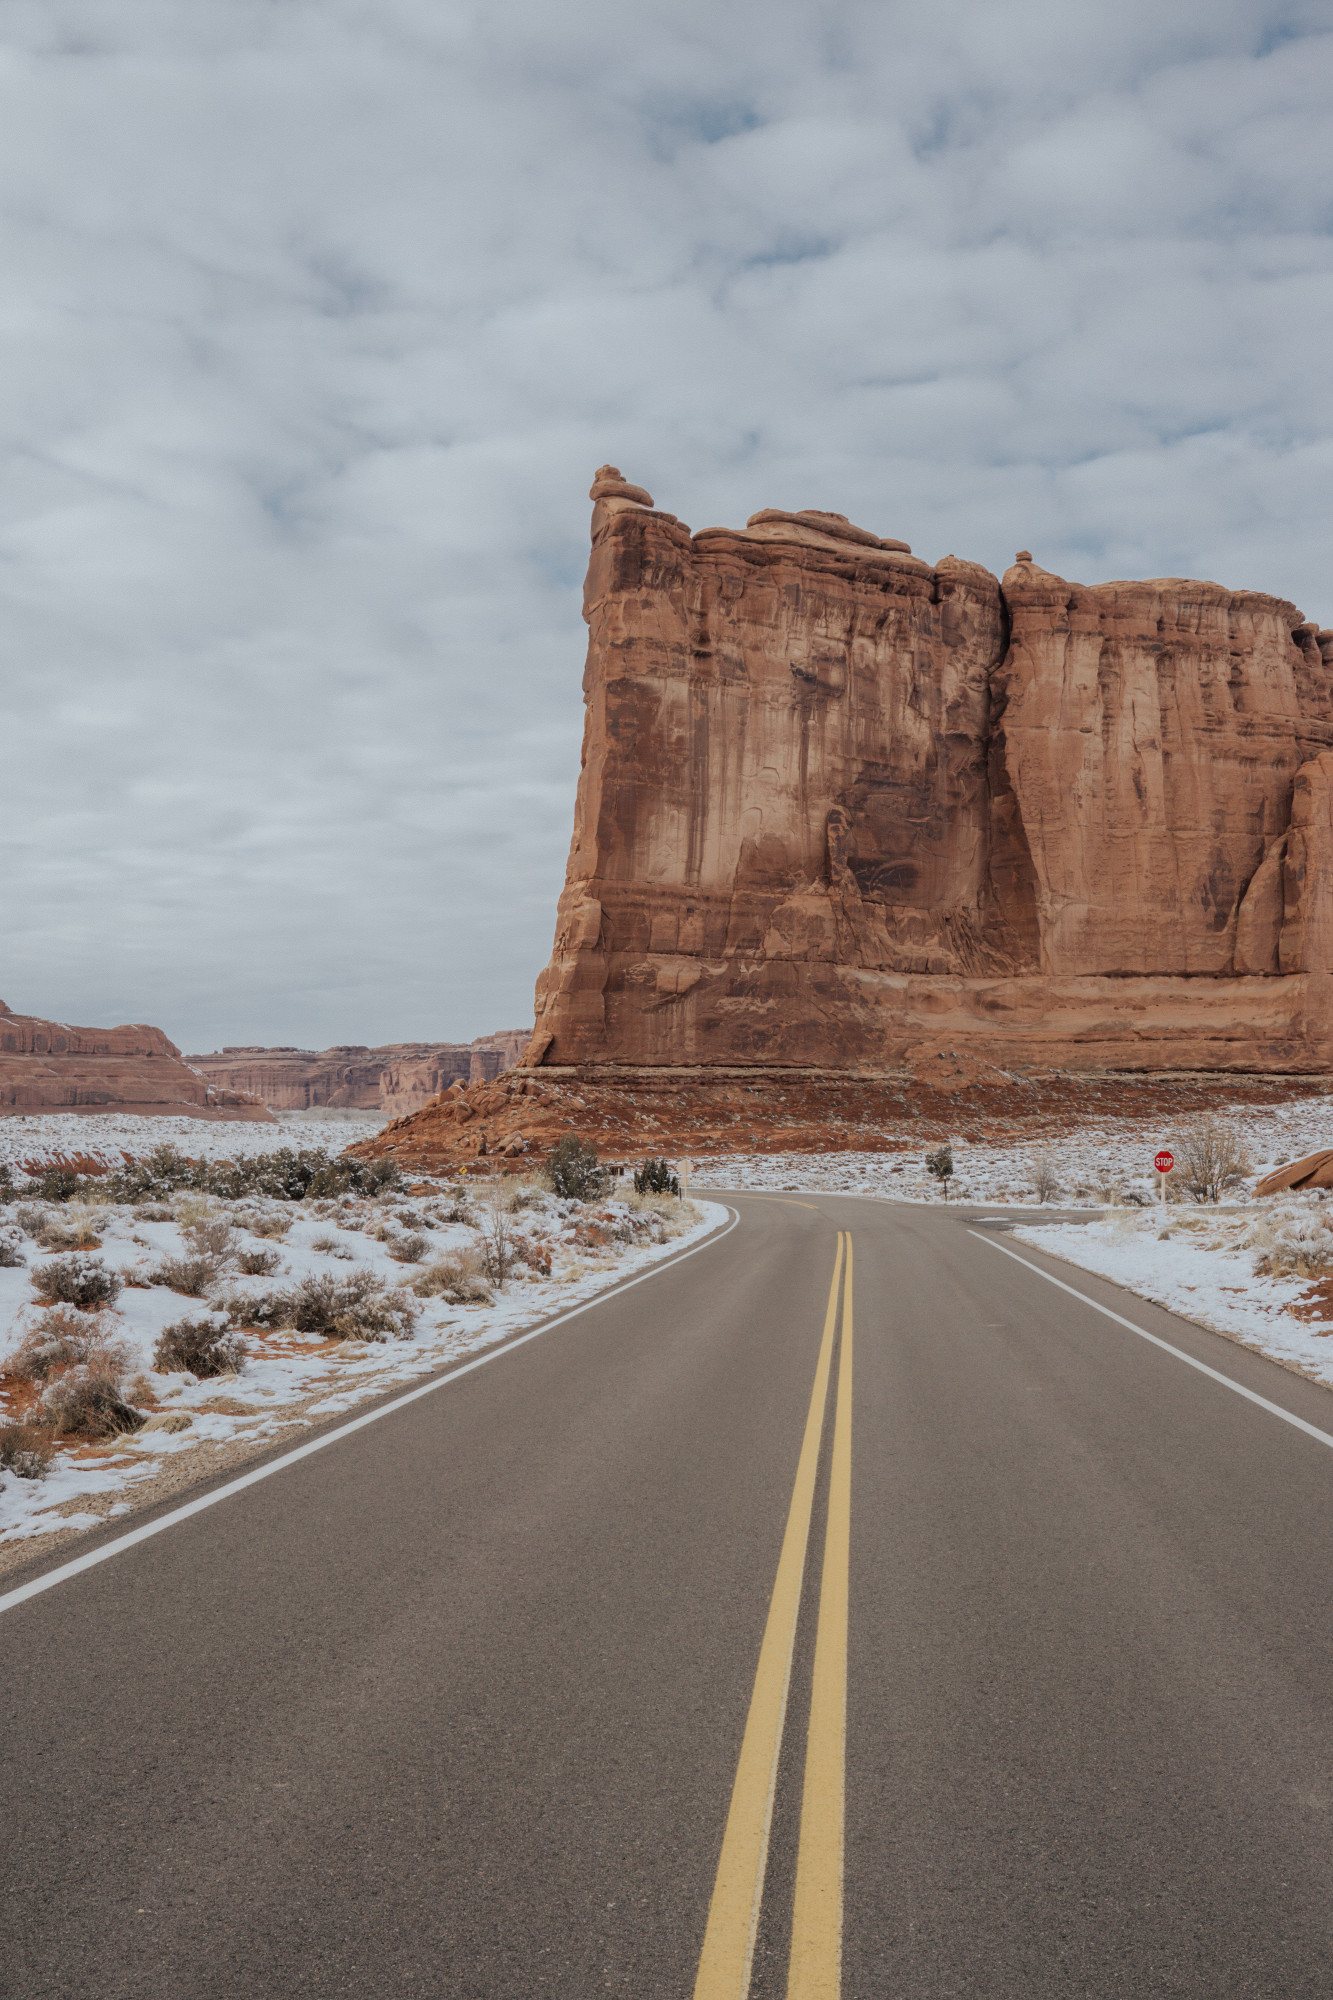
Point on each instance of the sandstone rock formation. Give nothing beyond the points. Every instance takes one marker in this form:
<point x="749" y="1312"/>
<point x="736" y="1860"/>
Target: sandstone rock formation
<point x="49" y="1066"/>
<point x="397" y="1078"/>
<point x="839" y="805"/>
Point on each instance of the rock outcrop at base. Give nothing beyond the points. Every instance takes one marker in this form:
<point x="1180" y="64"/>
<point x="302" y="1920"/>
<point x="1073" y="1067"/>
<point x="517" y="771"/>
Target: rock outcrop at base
<point x="50" y="1066"/>
<point x="396" y="1079"/>
<point x="838" y="803"/>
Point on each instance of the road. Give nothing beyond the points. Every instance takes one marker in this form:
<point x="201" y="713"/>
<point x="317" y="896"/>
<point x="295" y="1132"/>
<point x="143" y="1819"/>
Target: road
<point x="487" y="1699"/>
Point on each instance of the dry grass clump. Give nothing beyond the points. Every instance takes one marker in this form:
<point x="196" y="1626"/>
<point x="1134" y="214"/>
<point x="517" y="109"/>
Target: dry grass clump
<point x="457" y="1279"/>
<point x="1293" y="1242"/>
<point x="198" y="1347"/>
<point x="76" y="1232"/>
<point x="25" y="1450"/>
<point x="78" y="1281"/>
<point x="1212" y="1159"/>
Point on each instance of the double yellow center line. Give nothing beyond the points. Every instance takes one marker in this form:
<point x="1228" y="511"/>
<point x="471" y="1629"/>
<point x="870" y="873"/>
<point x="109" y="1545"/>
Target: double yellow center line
<point x="815" y="1969"/>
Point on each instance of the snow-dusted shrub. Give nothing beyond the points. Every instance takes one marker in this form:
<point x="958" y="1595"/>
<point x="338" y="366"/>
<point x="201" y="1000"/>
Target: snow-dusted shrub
<point x="257" y="1263"/>
<point x="213" y="1237"/>
<point x="199" y="1347"/>
<point x="76" y="1281"/>
<point x="276" y="1222"/>
<point x="153" y="1211"/>
<point x="62" y="1339"/>
<point x="32" y="1221"/>
<point x="1211" y="1160"/>
<point x="87" y="1401"/>
<point x="10" y="1258"/>
<point x="262" y="1310"/>
<point x="190" y="1276"/>
<point x="457" y="1279"/>
<point x="358" y="1307"/>
<point x="25" y="1450"/>
<point x="408" y="1249"/>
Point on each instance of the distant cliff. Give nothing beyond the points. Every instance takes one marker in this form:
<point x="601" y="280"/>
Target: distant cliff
<point x="395" y="1079"/>
<point x="840" y="806"/>
<point x="50" y="1066"/>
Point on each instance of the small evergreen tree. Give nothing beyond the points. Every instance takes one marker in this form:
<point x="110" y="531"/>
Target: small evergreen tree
<point x="574" y="1171"/>
<point x="655" y="1177"/>
<point x="940" y="1163"/>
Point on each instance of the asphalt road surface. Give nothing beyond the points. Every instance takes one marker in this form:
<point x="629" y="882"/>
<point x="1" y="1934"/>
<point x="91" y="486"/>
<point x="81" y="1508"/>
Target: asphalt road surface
<point x="1009" y="1626"/>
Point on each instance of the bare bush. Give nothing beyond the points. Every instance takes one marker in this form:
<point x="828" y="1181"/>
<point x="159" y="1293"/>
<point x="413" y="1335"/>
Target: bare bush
<point x="84" y="1282"/>
<point x="457" y="1279"/>
<point x="153" y="1211"/>
<point x="1045" y="1181"/>
<point x="1211" y="1160"/>
<point x="257" y="1263"/>
<point x="495" y="1222"/>
<point x="198" y="1347"/>
<point x="25" y="1450"/>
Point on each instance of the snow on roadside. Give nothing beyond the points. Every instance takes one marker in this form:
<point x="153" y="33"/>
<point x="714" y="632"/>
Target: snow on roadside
<point x="565" y="1253"/>
<point x="1207" y="1265"/>
<point x="1093" y="1163"/>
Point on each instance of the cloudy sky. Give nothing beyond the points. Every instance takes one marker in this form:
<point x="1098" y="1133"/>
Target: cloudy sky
<point x="318" y="315"/>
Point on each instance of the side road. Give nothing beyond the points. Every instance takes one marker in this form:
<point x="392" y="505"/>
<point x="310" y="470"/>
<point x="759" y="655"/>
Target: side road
<point x="472" y="1700"/>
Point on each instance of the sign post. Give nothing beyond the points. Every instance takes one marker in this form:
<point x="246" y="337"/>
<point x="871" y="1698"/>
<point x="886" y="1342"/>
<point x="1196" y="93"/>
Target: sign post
<point x="1163" y="1162"/>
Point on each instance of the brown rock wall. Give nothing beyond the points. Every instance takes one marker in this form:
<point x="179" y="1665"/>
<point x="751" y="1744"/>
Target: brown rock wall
<point x="835" y="800"/>
<point x="397" y="1078"/>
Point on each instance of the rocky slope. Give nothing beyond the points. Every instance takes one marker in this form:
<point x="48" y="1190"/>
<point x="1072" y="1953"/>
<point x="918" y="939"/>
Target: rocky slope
<point x="838" y="804"/>
<point x="49" y="1066"/>
<point x="397" y="1078"/>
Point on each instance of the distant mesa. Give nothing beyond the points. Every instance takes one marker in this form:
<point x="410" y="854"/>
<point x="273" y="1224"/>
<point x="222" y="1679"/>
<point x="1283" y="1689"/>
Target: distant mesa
<point x="48" y="1066"/>
<point x="394" y="1080"/>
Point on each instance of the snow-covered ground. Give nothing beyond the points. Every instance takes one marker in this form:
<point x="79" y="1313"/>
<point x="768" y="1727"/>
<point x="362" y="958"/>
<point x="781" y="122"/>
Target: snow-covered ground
<point x="109" y="1136"/>
<point x="413" y="1244"/>
<point x="1098" y="1162"/>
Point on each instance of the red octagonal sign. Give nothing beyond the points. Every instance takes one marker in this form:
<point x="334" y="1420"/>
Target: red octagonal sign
<point x="1164" y="1162"/>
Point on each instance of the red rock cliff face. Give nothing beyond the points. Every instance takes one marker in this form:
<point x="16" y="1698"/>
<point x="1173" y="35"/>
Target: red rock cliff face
<point x="396" y="1079"/>
<point x="49" y="1066"/>
<point x="837" y="803"/>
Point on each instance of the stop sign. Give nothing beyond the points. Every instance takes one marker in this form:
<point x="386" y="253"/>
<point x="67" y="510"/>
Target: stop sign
<point x="1164" y="1162"/>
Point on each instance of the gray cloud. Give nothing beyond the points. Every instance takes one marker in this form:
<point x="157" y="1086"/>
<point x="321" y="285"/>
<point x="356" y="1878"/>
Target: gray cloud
<point x="318" y="317"/>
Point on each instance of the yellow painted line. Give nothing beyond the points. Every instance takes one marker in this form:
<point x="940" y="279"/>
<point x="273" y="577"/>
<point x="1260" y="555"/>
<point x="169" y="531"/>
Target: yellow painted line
<point x="733" y="1914"/>
<point x="815" y="1968"/>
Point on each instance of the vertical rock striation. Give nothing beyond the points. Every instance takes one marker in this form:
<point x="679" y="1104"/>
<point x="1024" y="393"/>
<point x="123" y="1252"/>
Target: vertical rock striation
<point x="837" y="803"/>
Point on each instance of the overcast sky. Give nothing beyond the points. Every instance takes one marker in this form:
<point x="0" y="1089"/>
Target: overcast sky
<point x="318" y="317"/>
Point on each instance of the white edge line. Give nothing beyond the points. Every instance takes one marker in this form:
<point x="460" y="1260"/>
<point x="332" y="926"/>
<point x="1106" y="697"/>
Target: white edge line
<point x="1214" y="1375"/>
<point x="10" y="1599"/>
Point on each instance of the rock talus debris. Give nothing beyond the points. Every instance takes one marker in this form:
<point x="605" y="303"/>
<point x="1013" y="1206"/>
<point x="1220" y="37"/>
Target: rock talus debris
<point x="838" y="805"/>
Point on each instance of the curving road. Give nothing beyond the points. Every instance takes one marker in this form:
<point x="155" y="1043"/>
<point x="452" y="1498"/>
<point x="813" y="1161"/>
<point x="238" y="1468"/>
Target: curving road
<point x="1020" y="1624"/>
